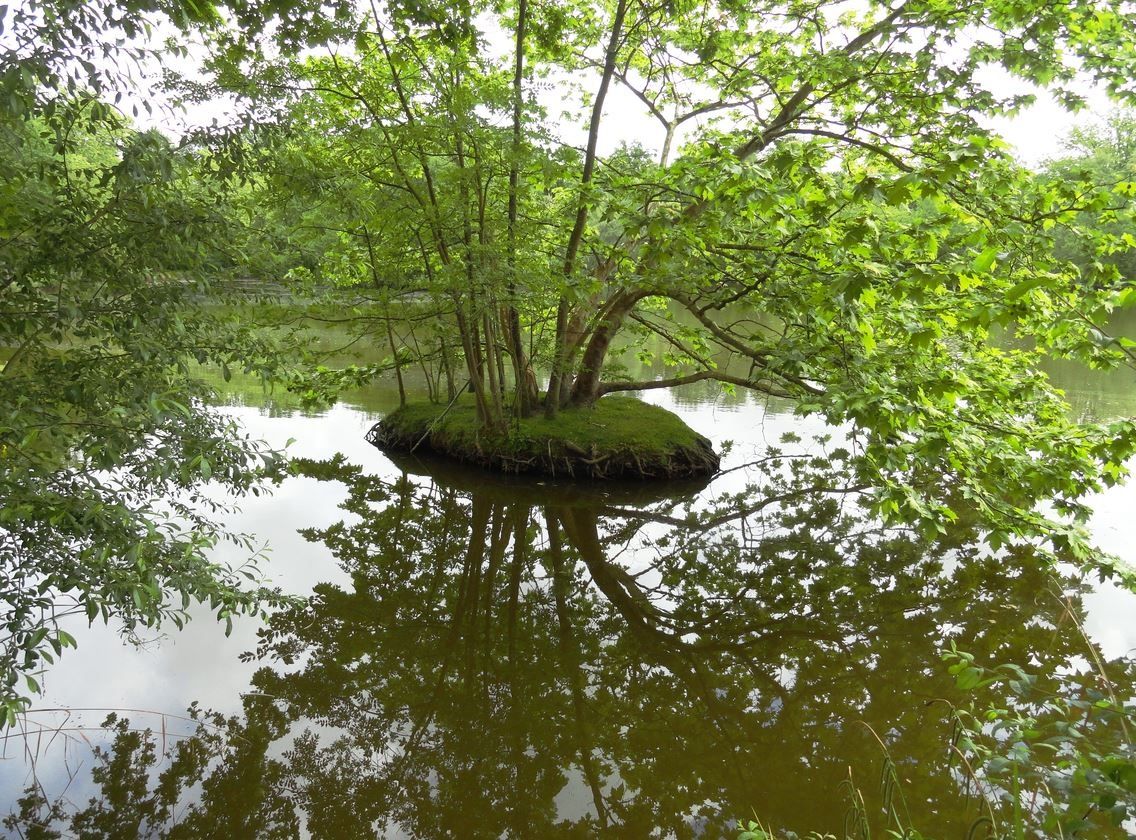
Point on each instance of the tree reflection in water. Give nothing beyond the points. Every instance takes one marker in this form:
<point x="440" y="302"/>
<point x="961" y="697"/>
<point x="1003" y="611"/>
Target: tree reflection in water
<point x="515" y="659"/>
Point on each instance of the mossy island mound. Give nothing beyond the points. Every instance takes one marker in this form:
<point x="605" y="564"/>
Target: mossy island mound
<point x="619" y="437"/>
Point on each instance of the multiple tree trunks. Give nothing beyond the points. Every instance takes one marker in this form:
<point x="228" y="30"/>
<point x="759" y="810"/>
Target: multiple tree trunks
<point x="553" y="457"/>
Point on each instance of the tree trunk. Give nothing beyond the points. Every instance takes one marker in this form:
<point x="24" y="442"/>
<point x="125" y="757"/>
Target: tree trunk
<point x="489" y="400"/>
<point x="552" y="398"/>
<point x="525" y="382"/>
<point x="585" y="391"/>
<point x="444" y="348"/>
<point x="472" y="360"/>
<point x="397" y="364"/>
<point x="560" y="361"/>
<point x="492" y="366"/>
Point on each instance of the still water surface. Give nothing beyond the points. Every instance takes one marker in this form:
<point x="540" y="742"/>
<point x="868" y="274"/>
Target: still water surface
<point x="482" y="657"/>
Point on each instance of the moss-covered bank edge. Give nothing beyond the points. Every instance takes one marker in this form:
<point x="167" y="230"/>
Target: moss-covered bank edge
<point x="619" y="437"/>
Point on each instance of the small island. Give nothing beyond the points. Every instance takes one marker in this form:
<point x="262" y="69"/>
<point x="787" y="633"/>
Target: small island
<point x="617" y="438"/>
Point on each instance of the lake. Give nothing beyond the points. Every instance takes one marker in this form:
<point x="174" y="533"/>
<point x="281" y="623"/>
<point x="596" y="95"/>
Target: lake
<point x="479" y="656"/>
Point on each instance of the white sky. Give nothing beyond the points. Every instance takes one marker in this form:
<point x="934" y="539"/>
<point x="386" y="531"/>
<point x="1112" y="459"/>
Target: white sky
<point x="1035" y="135"/>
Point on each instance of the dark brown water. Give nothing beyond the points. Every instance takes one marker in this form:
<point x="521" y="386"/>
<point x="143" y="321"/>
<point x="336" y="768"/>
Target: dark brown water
<point x="482" y="657"/>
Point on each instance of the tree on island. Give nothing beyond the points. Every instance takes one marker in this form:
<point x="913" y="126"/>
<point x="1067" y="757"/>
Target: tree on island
<point x="829" y="211"/>
<point x="830" y="218"/>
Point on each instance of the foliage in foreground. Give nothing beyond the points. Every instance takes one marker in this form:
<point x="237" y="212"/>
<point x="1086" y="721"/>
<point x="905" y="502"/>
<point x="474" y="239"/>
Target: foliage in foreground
<point x="113" y="469"/>
<point x="1052" y="756"/>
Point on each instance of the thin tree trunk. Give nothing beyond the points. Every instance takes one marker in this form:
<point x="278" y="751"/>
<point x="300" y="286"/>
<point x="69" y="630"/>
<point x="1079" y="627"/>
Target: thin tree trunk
<point x="525" y="382"/>
<point x="552" y="397"/>
<point x="492" y="362"/>
<point x="431" y="387"/>
<point x="472" y="355"/>
<point x="390" y="333"/>
<point x="451" y="386"/>
<point x="498" y="355"/>
<point x="423" y="160"/>
<point x="489" y="404"/>
<point x="397" y="364"/>
<point x="447" y="366"/>
<point x="559" y="361"/>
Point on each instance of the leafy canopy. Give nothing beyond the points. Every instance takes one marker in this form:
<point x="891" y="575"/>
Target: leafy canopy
<point x="111" y="461"/>
<point x="829" y="219"/>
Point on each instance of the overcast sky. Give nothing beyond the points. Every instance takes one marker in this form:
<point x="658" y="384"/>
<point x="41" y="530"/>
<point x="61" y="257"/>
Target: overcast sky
<point x="1035" y="134"/>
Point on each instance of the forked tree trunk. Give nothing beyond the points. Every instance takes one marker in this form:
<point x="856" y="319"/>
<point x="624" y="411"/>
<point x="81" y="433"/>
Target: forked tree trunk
<point x="585" y="390"/>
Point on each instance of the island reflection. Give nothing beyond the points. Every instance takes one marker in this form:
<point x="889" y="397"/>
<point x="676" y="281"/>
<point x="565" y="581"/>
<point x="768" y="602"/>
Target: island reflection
<point x="519" y="658"/>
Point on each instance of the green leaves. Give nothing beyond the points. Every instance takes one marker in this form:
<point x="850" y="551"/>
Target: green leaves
<point x="1053" y="752"/>
<point x="109" y="251"/>
<point x="1019" y="290"/>
<point x="985" y="261"/>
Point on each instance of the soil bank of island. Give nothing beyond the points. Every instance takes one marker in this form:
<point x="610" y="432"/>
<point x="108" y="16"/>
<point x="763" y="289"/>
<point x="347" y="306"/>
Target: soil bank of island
<point x="618" y="437"/>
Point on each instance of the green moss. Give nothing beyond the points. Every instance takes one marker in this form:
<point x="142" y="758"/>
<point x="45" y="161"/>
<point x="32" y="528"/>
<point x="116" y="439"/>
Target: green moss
<point x="619" y="436"/>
